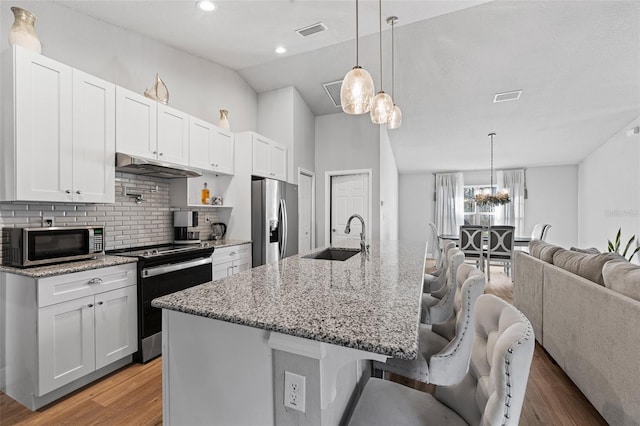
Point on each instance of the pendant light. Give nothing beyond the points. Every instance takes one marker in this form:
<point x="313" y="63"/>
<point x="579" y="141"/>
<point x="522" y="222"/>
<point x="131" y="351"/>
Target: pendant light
<point x="356" y="92"/>
<point x="395" y="117"/>
<point x="382" y="103"/>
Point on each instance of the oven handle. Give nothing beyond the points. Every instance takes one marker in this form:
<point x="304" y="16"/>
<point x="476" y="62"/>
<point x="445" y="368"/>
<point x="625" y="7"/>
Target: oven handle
<point x="158" y="270"/>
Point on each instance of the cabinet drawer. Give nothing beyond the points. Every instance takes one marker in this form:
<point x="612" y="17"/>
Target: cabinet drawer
<point x="66" y="287"/>
<point x="228" y="253"/>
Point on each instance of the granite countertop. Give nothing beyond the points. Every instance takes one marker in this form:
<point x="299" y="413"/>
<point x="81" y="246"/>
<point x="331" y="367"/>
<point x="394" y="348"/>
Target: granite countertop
<point x="371" y="305"/>
<point x="225" y="243"/>
<point x="68" y="267"/>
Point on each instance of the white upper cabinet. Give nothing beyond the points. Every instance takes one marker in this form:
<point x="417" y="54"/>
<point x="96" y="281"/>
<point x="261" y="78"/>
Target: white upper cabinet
<point x="58" y="132"/>
<point x="269" y="158"/>
<point x="93" y="139"/>
<point x="136" y="118"/>
<point x="173" y="135"/>
<point x="210" y="147"/>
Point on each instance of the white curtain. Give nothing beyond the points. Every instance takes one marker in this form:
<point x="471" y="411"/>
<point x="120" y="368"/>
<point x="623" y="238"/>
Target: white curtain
<point x="449" y="202"/>
<point x="513" y="180"/>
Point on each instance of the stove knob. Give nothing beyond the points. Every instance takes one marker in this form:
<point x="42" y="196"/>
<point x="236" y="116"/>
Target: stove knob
<point x="146" y="253"/>
<point x="154" y="252"/>
<point x="204" y="245"/>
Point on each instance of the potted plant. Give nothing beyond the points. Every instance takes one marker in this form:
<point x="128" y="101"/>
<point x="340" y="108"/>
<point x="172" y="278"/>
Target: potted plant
<point x="614" y="247"/>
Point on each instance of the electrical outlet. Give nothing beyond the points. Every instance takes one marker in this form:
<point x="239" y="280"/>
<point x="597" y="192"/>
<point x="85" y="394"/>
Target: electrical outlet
<point x="294" y="387"/>
<point x="47" y="221"/>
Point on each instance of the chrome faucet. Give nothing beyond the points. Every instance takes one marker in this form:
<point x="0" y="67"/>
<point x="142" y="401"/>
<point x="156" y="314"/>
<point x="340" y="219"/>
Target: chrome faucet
<point x="364" y="247"/>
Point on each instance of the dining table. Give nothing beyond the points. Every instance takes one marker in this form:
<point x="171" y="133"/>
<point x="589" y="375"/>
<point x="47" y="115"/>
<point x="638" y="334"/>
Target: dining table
<point x="517" y="241"/>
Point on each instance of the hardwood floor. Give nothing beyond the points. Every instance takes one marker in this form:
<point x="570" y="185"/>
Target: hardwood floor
<point x="133" y="395"/>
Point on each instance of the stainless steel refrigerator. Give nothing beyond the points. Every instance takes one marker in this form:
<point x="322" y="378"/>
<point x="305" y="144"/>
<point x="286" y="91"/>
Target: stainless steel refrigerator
<point x="274" y="220"/>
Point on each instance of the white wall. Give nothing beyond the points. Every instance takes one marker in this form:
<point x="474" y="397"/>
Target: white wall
<point x="304" y="135"/>
<point x="609" y="191"/>
<point x="346" y="142"/>
<point x="286" y="118"/>
<point x="196" y="86"/>
<point x="388" y="189"/>
<point x="553" y="199"/>
<point x="416" y="206"/>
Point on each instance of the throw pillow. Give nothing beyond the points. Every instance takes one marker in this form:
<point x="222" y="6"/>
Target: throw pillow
<point x="588" y="266"/>
<point x="547" y="252"/>
<point x="590" y="250"/>
<point x="623" y="277"/>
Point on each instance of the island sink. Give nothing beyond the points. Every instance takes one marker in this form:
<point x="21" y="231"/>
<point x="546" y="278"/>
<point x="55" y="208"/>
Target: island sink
<point x="333" y="253"/>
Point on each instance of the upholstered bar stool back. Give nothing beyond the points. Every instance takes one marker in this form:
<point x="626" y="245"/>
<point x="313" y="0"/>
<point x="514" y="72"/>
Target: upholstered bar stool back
<point x="491" y="393"/>
<point x="438" y="280"/>
<point x="438" y="305"/>
<point x="443" y="360"/>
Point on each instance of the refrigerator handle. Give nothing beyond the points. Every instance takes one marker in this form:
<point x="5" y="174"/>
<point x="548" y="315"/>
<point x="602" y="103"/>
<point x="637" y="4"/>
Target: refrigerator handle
<point x="285" y="228"/>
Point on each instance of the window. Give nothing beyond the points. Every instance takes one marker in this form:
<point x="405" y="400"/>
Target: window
<point x="473" y="213"/>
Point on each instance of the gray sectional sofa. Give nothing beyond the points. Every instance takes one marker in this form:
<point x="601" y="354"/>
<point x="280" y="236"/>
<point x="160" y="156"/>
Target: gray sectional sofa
<point x="585" y="311"/>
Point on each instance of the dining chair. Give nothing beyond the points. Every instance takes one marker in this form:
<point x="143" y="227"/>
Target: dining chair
<point x="471" y="243"/>
<point x="444" y="360"/>
<point x="436" y="251"/>
<point x="500" y="248"/>
<point x="540" y="231"/>
<point x="491" y="392"/>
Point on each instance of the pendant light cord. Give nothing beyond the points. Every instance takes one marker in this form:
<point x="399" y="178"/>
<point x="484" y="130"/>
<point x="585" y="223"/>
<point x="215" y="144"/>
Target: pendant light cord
<point x="380" y="27"/>
<point x="357" y="64"/>
<point x="393" y="78"/>
<point x="492" y="135"/>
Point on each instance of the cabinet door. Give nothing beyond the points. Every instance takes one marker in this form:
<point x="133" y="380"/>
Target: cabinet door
<point x="116" y="325"/>
<point x="94" y="141"/>
<point x="66" y="348"/>
<point x="43" y="108"/>
<point x="136" y="119"/>
<point x="200" y="144"/>
<point x="173" y="135"/>
<point x="260" y="156"/>
<point x="241" y="265"/>
<point x="223" y="146"/>
<point x="278" y="161"/>
<point x="222" y="269"/>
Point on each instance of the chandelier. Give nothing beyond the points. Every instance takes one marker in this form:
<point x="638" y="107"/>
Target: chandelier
<point x="493" y="199"/>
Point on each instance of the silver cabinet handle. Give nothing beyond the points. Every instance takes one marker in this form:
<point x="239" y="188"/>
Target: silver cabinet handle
<point x="155" y="152"/>
<point x="161" y="154"/>
<point x="68" y="191"/>
<point x="78" y="192"/>
<point x="233" y="253"/>
<point x="90" y="305"/>
<point x="100" y="303"/>
<point x="95" y="281"/>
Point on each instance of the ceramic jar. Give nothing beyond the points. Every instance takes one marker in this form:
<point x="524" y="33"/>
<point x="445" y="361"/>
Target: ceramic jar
<point x="23" y="32"/>
<point x="224" y="119"/>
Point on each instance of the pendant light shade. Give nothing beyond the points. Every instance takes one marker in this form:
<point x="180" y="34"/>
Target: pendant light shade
<point x="382" y="103"/>
<point x="381" y="108"/>
<point x="356" y="92"/>
<point x="395" y="118"/>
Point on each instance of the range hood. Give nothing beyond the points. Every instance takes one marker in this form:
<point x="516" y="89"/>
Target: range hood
<point x="142" y="166"/>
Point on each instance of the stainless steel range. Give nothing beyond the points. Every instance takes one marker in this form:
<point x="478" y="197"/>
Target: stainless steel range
<point x="162" y="270"/>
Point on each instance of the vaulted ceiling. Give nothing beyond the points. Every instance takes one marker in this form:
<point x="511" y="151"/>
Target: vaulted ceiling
<point x="576" y="62"/>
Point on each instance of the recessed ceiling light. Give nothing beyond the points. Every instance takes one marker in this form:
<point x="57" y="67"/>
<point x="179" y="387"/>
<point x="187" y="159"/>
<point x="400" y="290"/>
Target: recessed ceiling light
<point x="206" y="5"/>
<point x="281" y="50"/>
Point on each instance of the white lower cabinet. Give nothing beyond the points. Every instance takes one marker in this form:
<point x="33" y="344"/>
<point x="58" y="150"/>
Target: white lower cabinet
<point x="67" y="330"/>
<point x="231" y="260"/>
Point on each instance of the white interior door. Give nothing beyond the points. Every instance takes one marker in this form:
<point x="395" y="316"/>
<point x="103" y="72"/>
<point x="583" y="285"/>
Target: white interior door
<point x="349" y="195"/>
<point x="305" y="194"/>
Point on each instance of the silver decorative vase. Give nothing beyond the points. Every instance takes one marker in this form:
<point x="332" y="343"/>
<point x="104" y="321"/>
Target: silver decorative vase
<point x="158" y="91"/>
<point x="23" y="32"/>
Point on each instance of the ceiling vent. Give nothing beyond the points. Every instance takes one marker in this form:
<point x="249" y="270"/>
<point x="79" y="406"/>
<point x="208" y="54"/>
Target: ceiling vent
<point x="333" y="90"/>
<point x="311" y="29"/>
<point x="507" y="96"/>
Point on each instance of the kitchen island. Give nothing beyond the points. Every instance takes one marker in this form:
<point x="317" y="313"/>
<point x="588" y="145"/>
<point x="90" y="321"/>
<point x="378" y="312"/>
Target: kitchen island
<point x="227" y="343"/>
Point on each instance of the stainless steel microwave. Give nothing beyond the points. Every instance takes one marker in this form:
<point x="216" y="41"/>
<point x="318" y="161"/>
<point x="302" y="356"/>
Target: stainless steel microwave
<point x="41" y="246"/>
